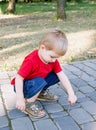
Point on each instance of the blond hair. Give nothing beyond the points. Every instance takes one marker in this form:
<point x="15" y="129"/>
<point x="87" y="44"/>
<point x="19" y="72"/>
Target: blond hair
<point x="55" y="40"/>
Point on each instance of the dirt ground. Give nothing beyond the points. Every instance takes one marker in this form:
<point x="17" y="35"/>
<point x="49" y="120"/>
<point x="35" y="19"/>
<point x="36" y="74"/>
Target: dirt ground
<point x="19" y="35"/>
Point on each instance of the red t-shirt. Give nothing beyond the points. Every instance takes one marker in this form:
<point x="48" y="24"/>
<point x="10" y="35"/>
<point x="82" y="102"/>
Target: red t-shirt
<point x="32" y="67"/>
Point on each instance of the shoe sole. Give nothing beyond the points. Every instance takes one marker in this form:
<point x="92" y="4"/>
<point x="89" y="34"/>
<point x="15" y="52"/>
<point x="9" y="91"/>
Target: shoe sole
<point x="41" y="99"/>
<point x="27" y="113"/>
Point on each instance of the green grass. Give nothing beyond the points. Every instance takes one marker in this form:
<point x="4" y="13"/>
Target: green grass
<point x="42" y="7"/>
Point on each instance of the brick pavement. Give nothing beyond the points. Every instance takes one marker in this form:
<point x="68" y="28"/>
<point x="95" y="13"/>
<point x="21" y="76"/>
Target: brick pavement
<point x="81" y="116"/>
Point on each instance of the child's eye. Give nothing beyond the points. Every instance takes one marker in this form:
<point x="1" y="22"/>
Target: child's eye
<point x="52" y="57"/>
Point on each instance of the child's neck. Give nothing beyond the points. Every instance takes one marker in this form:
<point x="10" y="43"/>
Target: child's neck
<point x="41" y="58"/>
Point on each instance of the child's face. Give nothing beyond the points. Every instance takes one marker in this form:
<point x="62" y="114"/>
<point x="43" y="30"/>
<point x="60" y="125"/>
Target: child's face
<point x="48" y="56"/>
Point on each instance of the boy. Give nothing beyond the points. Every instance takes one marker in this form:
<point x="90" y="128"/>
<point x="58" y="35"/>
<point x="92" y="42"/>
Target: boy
<point x="39" y="70"/>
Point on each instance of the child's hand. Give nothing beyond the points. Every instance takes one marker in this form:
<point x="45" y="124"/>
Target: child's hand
<point x="20" y="104"/>
<point x="72" y="99"/>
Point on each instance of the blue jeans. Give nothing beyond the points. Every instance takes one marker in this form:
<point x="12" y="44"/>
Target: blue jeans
<point x="33" y="86"/>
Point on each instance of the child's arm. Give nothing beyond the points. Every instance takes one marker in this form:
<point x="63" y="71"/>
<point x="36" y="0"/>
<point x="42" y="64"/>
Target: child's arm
<point x="20" y="103"/>
<point x="66" y="83"/>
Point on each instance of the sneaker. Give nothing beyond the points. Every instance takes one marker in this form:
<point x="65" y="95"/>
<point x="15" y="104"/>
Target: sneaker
<point x="33" y="110"/>
<point x="47" y="96"/>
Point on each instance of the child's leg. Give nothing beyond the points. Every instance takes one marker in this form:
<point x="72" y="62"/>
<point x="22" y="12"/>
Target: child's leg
<point x="51" y="79"/>
<point x="33" y="87"/>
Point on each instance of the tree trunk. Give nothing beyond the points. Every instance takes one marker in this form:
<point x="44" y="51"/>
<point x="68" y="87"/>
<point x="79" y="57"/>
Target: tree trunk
<point x="61" y="14"/>
<point x="11" y="7"/>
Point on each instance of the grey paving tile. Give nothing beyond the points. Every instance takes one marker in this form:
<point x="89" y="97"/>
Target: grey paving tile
<point x="71" y="68"/>
<point x="45" y="125"/>
<point x="10" y="100"/>
<point x="53" y="107"/>
<point x="74" y="106"/>
<point x="79" y="65"/>
<point x="12" y="73"/>
<point x="7" y="88"/>
<point x="2" y="110"/>
<point x="92" y="83"/>
<point x="66" y="123"/>
<point x="86" y="89"/>
<point x="78" y="82"/>
<point x="87" y="77"/>
<point x="5" y="128"/>
<point x="15" y="113"/>
<point x="63" y="100"/>
<point x="3" y="75"/>
<point x="83" y="99"/>
<point x="80" y="94"/>
<point x="90" y="65"/>
<point x="3" y="121"/>
<point x="89" y="106"/>
<point x="59" y="114"/>
<point x="92" y="95"/>
<point x="4" y="81"/>
<point x="89" y="126"/>
<point x="23" y="123"/>
<point x="80" y="115"/>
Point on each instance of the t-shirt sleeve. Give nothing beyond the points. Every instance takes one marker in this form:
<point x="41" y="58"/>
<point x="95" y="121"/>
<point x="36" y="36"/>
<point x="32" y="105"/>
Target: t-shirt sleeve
<point x="57" y="67"/>
<point x="26" y="68"/>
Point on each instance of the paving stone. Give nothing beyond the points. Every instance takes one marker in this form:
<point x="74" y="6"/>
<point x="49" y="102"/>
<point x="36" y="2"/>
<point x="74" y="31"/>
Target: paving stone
<point x="15" y="113"/>
<point x="89" y="126"/>
<point x="74" y="106"/>
<point x="3" y="121"/>
<point x="83" y="99"/>
<point x="72" y="76"/>
<point x="92" y="83"/>
<point x="86" y="77"/>
<point x="92" y="95"/>
<point x="86" y="89"/>
<point x="63" y="100"/>
<point x="3" y="75"/>
<point x="4" y="81"/>
<point x="12" y="73"/>
<point x="23" y="123"/>
<point x="77" y="73"/>
<point x="93" y="61"/>
<point x="71" y="68"/>
<point x="78" y="82"/>
<point x="79" y="65"/>
<point x="89" y="70"/>
<point x="6" y="88"/>
<point x="5" y="128"/>
<point x="2" y="110"/>
<point x="89" y="106"/>
<point x="10" y="100"/>
<point x="0" y="100"/>
<point x="80" y="95"/>
<point x="68" y="73"/>
<point x="66" y="123"/>
<point x="94" y="116"/>
<point x="90" y="65"/>
<point x="58" y="90"/>
<point x="45" y="125"/>
<point x="58" y="114"/>
<point x="83" y="115"/>
<point x="53" y="107"/>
